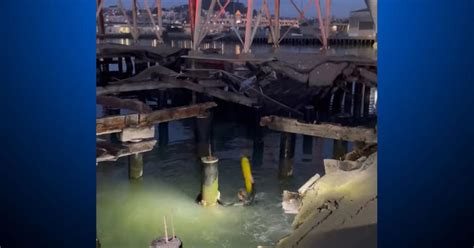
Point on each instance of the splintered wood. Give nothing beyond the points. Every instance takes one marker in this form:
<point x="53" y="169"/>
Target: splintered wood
<point x="330" y="131"/>
<point x="106" y="151"/>
<point x="115" y="124"/>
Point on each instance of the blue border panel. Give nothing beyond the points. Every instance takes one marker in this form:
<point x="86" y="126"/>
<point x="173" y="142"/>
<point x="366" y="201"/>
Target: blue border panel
<point x="425" y="123"/>
<point x="47" y="158"/>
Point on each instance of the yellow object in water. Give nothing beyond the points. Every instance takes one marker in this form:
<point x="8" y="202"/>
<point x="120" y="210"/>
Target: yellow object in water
<point x="247" y="172"/>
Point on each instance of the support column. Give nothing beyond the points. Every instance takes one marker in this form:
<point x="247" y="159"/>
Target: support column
<point x="203" y="134"/>
<point x="339" y="149"/>
<point x="197" y="25"/>
<point x="309" y="116"/>
<point x="367" y="91"/>
<point x="277" y="22"/>
<point x="257" y="153"/>
<point x="163" y="134"/>
<point x="287" y="153"/>
<point x="210" y="182"/>
<point x="135" y="166"/>
<point x="357" y="103"/>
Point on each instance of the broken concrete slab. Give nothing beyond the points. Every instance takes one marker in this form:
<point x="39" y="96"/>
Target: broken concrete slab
<point x="340" y="210"/>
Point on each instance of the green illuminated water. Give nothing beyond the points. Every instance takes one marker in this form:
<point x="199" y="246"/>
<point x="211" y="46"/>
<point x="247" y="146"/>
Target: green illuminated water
<point x="130" y="214"/>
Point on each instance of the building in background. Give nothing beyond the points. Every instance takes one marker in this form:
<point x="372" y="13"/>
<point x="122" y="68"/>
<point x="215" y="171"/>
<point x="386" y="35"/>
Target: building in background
<point x="361" y="24"/>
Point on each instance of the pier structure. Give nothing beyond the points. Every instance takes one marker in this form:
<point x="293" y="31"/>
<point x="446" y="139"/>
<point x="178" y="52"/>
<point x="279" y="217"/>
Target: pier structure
<point x="326" y="96"/>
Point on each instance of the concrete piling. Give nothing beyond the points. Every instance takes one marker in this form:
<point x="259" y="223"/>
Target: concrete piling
<point x="210" y="182"/>
<point x="287" y="153"/>
<point x="135" y="166"/>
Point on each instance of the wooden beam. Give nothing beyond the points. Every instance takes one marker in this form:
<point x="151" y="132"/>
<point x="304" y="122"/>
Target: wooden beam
<point x="174" y="84"/>
<point x="115" y="124"/>
<point x="330" y="131"/>
<point x="115" y="102"/>
<point x="111" y="152"/>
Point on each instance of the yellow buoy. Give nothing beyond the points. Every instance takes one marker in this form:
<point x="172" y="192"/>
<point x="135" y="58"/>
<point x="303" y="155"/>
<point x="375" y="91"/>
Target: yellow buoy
<point x="247" y="172"/>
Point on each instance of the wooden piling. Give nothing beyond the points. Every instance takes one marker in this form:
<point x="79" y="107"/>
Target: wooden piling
<point x="163" y="134"/>
<point x="357" y="103"/>
<point x="203" y="134"/>
<point x="287" y="153"/>
<point x="210" y="182"/>
<point x="135" y="166"/>
<point x="257" y="150"/>
<point x="309" y="115"/>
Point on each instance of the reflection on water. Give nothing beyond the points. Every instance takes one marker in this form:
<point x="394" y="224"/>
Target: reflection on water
<point x="229" y="47"/>
<point x="131" y="214"/>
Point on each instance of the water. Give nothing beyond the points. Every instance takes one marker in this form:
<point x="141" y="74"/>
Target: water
<point x="130" y="214"/>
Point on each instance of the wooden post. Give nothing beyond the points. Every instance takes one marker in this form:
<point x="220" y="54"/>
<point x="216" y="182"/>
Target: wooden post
<point x="203" y="134"/>
<point x="163" y="134"/>
<point x="339" y="149"/>
<point x="257" y="151"/>
<point x="135" y="166"/>
<point x="287" y="152"/>
<point x="309" y="116"/>
<point x="357" y="103"/>
<point x="210" y="182"/>
<point x="366" y="101"/>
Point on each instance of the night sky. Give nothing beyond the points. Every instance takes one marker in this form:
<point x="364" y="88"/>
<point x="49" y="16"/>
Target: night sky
<point x="340" y="8"/>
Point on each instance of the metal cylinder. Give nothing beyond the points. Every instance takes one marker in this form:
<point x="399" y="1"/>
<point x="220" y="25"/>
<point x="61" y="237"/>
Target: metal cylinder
<point x="135" y="166"/>
<point x="287" y="153"/>
<point x="203" y="134"/>
<point x="210" y="183"/>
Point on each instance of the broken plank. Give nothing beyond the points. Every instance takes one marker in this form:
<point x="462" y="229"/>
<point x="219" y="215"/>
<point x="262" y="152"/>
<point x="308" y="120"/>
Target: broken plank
<point x="122" y="150"/>
<point x="330" y="131"/>
<point x="175" y="84"/>
<point x="115" y="124"/>
<point x="130" y="104"/>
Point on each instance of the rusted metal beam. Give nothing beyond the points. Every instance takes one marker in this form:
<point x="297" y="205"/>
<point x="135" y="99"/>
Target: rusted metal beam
<point x="248" y="27"/>
<point x="115" y="124"/>
<point x="330" y="131"/>
<point x="321" y="24"/>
